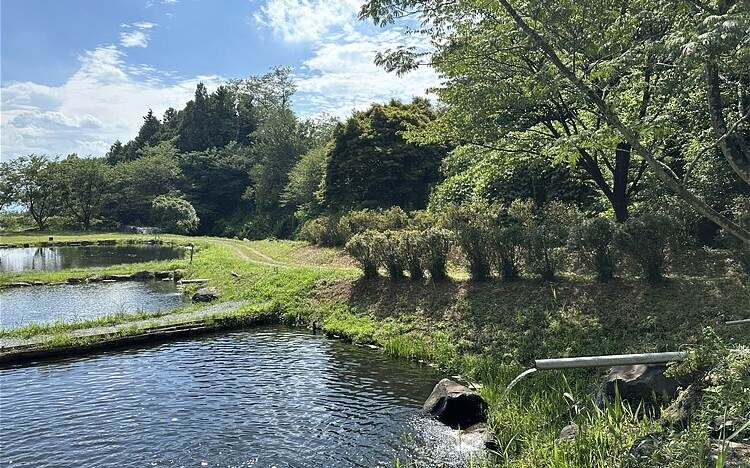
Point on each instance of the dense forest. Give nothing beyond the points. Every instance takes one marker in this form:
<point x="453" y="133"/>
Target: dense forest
<point x="648" y="115"/>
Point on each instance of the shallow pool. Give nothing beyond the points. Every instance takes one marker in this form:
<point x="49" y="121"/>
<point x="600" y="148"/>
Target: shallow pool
<point x="68" y="302"/>
<point x="18" y="259"/>
<point x="267" y="397"/>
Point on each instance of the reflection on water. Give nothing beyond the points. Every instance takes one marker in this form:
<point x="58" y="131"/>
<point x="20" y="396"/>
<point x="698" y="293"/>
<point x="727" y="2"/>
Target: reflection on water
<point x="42" y="304"/>
<point x="58" y="258"/>
<point x="268" y="397"/>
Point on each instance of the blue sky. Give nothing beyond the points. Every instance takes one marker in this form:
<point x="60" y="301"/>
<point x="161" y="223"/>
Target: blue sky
<point x="78" y="74"/>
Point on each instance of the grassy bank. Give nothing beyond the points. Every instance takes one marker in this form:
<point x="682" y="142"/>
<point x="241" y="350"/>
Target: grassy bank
<point x="486" y="332"/>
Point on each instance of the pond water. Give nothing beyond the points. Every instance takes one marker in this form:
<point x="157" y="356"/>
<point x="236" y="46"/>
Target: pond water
<point x="68" y="302"/>
<point x="266" y="397"/>
<point x="17" y="259"/>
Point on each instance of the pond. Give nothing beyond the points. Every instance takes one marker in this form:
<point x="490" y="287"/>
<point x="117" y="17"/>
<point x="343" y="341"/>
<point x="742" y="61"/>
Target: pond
<point x="68" y="302"/>
<point x="266" y="397"/>
<point x="16" y="259"/>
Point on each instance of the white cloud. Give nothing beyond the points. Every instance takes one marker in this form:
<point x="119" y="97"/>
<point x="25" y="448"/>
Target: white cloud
<point x="136" y="34"/>
<point x="133" y="39"/>
<point x="341" y="75"/>
<point x="104" y="100"/>
<point x="307" y="20"/>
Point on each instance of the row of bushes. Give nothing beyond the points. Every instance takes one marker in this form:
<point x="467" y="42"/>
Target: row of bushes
<point x="331" y="231"/>
<point x="399" y="251"/>
<point x="504" y="240"/>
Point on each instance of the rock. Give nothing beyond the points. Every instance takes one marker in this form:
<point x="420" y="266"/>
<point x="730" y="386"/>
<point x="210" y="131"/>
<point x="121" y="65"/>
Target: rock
<point x="39" y="283"/>
<point x="644" y="447"/>
<point x="736" y="454"/>
<point x="18" y="284"/>
<point x="678" y="414"/>
<point x="74" y="280"/>
<point x="119" y="277"/>
<point x="142" y="275"/>
<point x="206" y="295"/>
<point x="94" y="279"/>
<point x="721" y="427"/>
<point x="179" y="274"/>
<point x="479" y="435"/>
<point x="568" y="432"/>
<point x="455" y="405"/>
<point x="166" y="274"/>
<point x="640" y="383"/>
<point x="194" y="281"/>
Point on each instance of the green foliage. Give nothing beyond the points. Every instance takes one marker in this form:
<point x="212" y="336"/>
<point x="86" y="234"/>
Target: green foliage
<point x="545" y="233"/>
<point x="438" y="243"/>
<point x="305" y="178"/>
<point x="506" y="247"/>
<point x="324" y="231"/>
<point x="32" y="182"/>
<point x="174" y="214"/>
<point x="413" y="249"/>
<point x="136" y="183"/>
<point x="742" y="216"/>
<point x="363" y="248"/>
<point x="357" y="221"/>
<point x="388" y="251"/>
<point x="372" y="165"/>
<point x="474" y="173"/>
<point x="645" y="239"/>
<point x="473" y="226"/>
<point x="594" y="240"/>
<point x="214" y="182"/>
<point x="84" y="183"/>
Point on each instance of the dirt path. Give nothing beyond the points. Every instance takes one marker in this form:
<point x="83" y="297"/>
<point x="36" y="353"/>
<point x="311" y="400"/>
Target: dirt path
<point x="250" y="254"/>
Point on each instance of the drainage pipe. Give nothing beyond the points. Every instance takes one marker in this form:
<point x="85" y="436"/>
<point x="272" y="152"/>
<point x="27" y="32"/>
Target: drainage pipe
<point x="737" y="322"/>
<point x="608" y="361"/>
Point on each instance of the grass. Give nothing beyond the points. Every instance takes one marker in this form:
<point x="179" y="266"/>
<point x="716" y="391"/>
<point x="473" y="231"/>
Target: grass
<point x="486" y="332"/>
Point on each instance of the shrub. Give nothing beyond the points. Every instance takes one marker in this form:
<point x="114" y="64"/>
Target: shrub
<point x="594" y="240"/>
<point x="506" y="248"/>
<point x="412" y="248"/>
<point x="174" y="214"/>
<point x="545" y="233"/>
<point x="645" y="239"/>
<point x="323" y="231"/>
<point x="362" y="248"/>
<point x="359" y="221"/>
<point x="472" y="225"/>
<point x="741" y="249"/>
<point x="438" y="244"/>
<point x="388" y="252"/>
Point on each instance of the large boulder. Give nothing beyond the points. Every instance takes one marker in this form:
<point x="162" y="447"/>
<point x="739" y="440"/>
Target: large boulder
<point x="456" y="405"/>
<point x="206" y="295"/>
<point x="640" y="383"/>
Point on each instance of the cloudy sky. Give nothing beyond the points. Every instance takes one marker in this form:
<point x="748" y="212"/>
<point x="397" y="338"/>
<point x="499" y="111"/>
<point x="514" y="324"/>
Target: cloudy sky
<point x="78" y="74"/>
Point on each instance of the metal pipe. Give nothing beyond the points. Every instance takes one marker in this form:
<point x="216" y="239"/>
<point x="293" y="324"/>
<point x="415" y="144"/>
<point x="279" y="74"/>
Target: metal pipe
<point x="737" y="322"/>
<point x="607" y="361"/>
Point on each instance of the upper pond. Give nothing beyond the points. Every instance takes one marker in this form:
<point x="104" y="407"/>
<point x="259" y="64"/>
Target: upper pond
<point x="57" y="258"/>
<point x="265" y="397"/>
<point x="66" y="302"/>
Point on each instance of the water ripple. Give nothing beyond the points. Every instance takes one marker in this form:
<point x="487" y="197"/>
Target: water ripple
<point x="259" y="398"/>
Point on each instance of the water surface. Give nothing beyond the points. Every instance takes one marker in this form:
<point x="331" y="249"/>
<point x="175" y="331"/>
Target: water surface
<point x="18" y="259"/>
<point x="267" y="397"/>
<point x="69" y="302"/>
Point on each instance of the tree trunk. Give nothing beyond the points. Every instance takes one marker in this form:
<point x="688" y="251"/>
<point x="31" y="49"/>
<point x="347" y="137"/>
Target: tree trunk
<point x="620" y="197"/>
<point x="629" y="136"/>
<point x="729" y="143"/>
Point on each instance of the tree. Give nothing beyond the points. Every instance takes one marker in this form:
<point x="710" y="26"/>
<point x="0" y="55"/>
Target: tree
<point x="371" y="165"/>
<point x="136" y="183"/>
<point x="591" y="75"/>
<point x="215" y="181"/>
<point x="305" y="180"/>
<point x="8" y="192"/>
<point x="84" y="183"/>
<point x="36" y="187"/>
<point x="149" y="132"/>
<point x="116" y="153"/>
<point x="223" y="117"/>
<point x="194" y="131"/>
<point x="174" y="214"/>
